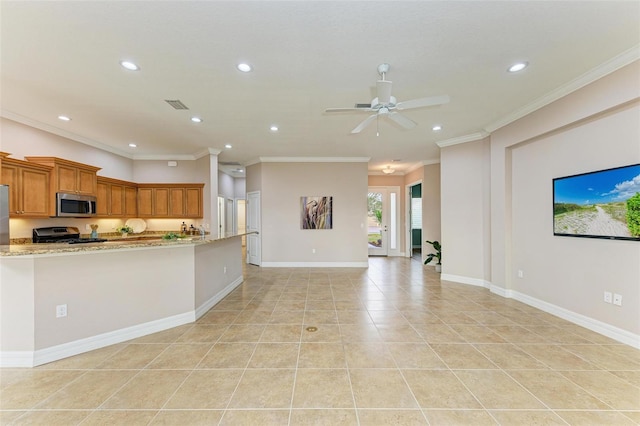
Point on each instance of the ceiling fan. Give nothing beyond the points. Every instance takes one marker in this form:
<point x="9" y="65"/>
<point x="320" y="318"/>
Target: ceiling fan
<point x="385" y="105"/>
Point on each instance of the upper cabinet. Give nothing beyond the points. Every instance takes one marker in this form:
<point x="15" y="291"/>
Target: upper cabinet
<point x="69" y="176"/>
<point x="116" y="198"/>
<point x="28" y="187"/>
<point x="164" y="200"/>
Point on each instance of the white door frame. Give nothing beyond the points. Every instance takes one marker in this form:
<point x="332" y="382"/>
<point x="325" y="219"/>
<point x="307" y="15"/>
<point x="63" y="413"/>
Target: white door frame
<point x="392" y="248"/>
<point x="408" y="238"/>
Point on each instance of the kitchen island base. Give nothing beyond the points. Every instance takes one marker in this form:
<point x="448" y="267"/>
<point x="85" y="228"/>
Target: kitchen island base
<point x="110" y="296"/>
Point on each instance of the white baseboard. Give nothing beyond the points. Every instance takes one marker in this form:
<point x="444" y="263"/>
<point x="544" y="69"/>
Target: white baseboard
<point x="204" y="308"/>
<point x="615" y="333"/>
<point x="465" y="280"/>
<point x="315" y="264"/>
<point x="54" y="353"/>
<point x="592" y="324"/>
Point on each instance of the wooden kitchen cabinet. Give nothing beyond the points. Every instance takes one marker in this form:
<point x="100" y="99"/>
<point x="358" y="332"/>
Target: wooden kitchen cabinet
<point x="28" y="188"/>
<point x="116" y="198"/>
<point x="69" y="176"/>
<point x="163" y="200"/>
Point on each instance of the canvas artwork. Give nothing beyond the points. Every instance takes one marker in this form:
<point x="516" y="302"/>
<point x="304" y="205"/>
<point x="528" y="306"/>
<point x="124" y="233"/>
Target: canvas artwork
<point x="602" y="204"/>
<point x="316" y="212"/>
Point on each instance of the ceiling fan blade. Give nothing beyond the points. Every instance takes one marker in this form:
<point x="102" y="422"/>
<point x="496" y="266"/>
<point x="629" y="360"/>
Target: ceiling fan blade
<point x="348" y="109"/>
<point x="364" y="124"/>
<point x="423" y="102"/>
<point x="405" y="122"/>
<point x="384" y="91"/>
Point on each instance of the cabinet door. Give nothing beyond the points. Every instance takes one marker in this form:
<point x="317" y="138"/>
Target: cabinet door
<point x="161" y="202"/>
<point x="67" y="177"/>
<point x="177" y="202"/>
<point x="102" y="202"/>
<point x="10" y="176"/>
<point x="193" y="202"/>
<point x="86" y="181"/>
<point x="145" y="204"/>
<point x="35" y="190"/>
<point x="130" y="201"/>
<point x="116" y="193"/>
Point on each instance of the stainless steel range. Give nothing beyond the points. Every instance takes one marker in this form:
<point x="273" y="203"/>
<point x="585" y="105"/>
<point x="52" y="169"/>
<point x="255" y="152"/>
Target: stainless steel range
<point x="61" y="234"/>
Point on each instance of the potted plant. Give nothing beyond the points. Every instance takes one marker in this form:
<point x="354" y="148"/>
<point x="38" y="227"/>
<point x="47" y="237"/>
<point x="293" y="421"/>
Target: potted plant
<point x="437" y="255"/>
<point x="124" y="230"/>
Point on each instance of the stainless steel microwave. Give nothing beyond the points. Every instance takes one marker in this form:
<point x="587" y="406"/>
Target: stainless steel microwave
<point x="75" y="205"/>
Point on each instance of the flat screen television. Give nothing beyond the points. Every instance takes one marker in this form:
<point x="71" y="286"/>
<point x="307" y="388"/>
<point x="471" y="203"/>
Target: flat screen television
<point x="601" y="204"/>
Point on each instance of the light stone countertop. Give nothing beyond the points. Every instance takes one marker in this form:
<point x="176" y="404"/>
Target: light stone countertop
<point x="137" y="242"/>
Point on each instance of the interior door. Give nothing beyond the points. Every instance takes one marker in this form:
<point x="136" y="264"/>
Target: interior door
<point x="382" y="220"/>
<point x="231" y="229"/>
<point x="254" y="249"/>
<point x="222" y="229"/>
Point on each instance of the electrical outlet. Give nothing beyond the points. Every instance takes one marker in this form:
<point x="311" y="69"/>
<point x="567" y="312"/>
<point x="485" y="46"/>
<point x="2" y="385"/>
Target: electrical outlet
<point x="87" y="227"/>
<point x="608" y="297"/>
<point x="61" y="311"/>
<point x="617" y="299"/>
<point x="224" y="269"/>
<point x="313" y="251"/>
<point x="520" y="273"/>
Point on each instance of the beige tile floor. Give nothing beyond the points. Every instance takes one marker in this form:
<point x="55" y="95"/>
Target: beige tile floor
<point x="394" y="345"/>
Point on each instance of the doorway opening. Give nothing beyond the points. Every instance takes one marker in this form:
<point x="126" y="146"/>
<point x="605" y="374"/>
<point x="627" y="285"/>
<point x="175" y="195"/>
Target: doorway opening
<point x="383" y="213"/>
<point x="415" y="221"/>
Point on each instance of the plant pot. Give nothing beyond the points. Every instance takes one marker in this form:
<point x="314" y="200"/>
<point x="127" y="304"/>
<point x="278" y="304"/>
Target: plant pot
<point x="124" y="235"/>
<point x="438" y="268"/>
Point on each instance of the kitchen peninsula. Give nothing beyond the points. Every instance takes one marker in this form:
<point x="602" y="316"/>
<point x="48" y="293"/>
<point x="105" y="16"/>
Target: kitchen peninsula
<point x="59" y="300"/>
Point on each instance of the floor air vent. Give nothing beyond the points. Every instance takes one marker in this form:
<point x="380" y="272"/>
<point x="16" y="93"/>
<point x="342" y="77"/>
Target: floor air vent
<point x="177" y="104"/>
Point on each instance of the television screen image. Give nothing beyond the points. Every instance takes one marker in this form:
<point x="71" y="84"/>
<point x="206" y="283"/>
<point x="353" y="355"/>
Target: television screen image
<point x="601" y="204"/>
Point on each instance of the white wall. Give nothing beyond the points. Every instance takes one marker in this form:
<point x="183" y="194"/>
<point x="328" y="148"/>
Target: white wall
<point x="574" y="272"/>
<point x="158" y="171"/>
<point x="284" y="243"/>
<point x="465" y="231"/>
<point x="226" y="186"/>
<point x="596" y="127"/>
<point x="22" y="141"/>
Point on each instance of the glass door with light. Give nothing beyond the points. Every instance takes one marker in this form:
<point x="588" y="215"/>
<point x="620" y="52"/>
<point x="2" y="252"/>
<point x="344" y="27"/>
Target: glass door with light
<point x="382" y="221"/>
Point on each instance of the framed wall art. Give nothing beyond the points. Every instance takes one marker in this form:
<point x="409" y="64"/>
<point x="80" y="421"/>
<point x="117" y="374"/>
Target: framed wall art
<point x="316" y="212"/>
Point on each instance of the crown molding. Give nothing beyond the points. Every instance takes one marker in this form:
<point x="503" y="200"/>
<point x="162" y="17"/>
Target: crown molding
<point x="205" y="152"/>
<point x="61" y="132"/>
<point x="463" y="139"/>
<point x="614" y="64"/>
<point x="313" y="160"/>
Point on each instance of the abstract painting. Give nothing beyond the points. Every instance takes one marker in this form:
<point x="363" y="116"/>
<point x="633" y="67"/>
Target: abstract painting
<point x="316" y="212"/>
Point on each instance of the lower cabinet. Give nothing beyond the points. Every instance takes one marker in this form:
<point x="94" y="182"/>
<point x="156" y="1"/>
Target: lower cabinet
<point x="170" y="200"/>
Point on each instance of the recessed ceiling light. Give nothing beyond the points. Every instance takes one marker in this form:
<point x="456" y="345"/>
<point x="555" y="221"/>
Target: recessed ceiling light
<point x="64" y="118"/>
<point x="228" y="146"/>
<point x="244" y="67"/>
<point x="196" y="119"/>
<point x="518" y="66"/>
<point x="132" y="145"/>
<point x="436" y="128"/>
<point x="129" y="65"/>
<point x="273" y="128"/>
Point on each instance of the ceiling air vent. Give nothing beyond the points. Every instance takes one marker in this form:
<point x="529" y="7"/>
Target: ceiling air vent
<point x="363" y="106"/>
<point x="177" y="104"/>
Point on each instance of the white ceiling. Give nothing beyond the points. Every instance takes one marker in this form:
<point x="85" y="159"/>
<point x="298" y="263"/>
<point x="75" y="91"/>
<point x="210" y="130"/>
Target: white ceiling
<point x="62" y="57"/>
